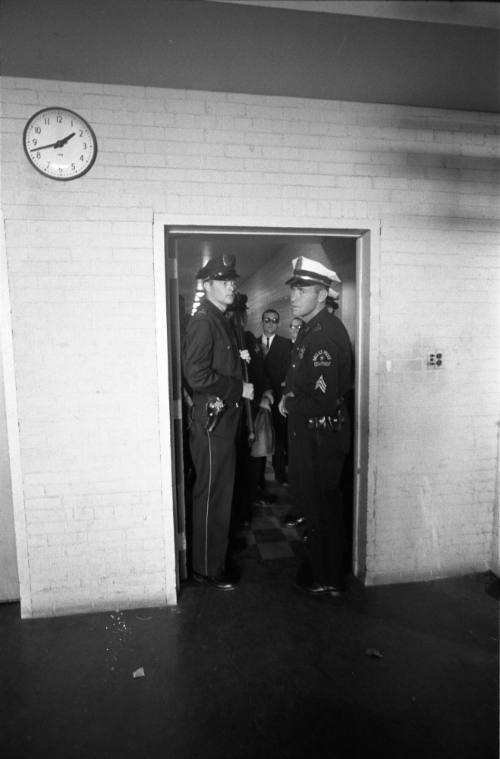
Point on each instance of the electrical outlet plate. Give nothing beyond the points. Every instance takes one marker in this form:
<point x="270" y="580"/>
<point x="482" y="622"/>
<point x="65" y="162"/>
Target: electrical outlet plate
<point x="435" y="359"/>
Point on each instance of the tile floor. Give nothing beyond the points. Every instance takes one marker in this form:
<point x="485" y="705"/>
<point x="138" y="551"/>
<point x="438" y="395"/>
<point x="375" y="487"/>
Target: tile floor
<point x="268" y="535"/>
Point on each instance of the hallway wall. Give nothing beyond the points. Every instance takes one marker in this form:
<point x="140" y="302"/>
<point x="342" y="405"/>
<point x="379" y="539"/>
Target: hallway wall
<point x="81" y="280"/>
<point x="9" y="581"/>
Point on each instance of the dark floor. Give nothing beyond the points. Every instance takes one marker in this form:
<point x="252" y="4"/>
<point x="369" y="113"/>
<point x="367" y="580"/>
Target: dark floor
<point x="263" y="672"/>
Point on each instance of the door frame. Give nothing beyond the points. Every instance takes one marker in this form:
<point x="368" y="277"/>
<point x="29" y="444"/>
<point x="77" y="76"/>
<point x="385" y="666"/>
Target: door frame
<point x="367" y="233"/>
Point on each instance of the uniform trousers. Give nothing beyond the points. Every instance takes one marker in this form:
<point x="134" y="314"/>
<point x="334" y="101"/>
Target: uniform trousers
<point x="315" y="468"/>
<point x="249" y="475"/>
<point x="214" y="457"/>
<point x="280" y="443"/>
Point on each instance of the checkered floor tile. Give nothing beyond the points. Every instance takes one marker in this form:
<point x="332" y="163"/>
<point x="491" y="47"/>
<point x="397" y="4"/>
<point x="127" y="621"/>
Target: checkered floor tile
<point x="267" y="533"/>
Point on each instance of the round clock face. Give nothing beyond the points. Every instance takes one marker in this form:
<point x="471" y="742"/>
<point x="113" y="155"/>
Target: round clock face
<point x="59" y="143"/>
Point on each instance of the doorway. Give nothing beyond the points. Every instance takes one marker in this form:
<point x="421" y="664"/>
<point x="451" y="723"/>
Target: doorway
<point x="263" y="257"/>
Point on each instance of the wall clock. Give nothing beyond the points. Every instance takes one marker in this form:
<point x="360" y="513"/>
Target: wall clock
<point x="59" y="143"/>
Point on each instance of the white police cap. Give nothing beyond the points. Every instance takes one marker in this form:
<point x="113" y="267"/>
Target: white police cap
<point x="309" y="272"/>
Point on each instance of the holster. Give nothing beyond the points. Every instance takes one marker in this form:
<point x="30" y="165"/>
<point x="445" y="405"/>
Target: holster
<point x="215" y="409"/>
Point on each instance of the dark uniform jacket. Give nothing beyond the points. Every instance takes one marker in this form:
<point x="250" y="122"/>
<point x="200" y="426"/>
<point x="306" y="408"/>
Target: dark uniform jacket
<point x="320" y="373"/>
<point x="211" y="360"/>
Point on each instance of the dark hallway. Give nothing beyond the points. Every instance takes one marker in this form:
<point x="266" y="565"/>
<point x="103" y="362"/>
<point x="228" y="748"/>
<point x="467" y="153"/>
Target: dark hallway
<point x="399" y="671"/>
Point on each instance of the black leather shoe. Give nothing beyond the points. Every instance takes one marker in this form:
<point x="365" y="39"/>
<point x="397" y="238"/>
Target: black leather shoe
<point x="293" y="521"/>
<point x="334" y="590"/>
<point x="220" y="583"/>
<point x="313" y="589"/>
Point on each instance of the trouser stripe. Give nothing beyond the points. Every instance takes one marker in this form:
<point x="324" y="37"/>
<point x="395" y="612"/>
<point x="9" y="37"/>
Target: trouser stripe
<point x="207" y="507"/>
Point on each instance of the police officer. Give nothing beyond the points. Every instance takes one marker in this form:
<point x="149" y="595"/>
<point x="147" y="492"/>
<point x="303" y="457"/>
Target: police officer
<point x="212" y="368"/>
<point x="318" y="424"/>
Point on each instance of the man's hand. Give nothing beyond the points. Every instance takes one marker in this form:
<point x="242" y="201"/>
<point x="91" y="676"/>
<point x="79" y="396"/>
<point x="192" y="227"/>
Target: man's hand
<point x="248" y="391"/>
<point x="245" y="356"/>
<point x="281" y="404"/>
<point x="268" y="395"/>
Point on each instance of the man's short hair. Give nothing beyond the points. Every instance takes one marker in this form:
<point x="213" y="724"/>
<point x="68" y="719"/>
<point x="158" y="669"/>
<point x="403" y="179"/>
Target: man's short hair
<point x="270" y="311"/>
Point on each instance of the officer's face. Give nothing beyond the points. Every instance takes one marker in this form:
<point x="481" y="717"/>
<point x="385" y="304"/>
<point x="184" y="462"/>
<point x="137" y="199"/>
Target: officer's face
<point x="221" y="292"/>
<point x="307" y="301"/>
<point x="270" y="322"/>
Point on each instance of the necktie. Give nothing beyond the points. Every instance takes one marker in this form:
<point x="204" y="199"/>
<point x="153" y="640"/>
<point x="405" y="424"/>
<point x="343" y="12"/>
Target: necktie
<point x="266" y="349"/>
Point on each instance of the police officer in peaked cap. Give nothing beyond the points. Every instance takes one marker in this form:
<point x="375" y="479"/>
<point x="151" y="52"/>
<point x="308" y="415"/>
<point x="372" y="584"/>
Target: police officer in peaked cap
<point x="212" y="369"/>
<point x="319" y="376"/>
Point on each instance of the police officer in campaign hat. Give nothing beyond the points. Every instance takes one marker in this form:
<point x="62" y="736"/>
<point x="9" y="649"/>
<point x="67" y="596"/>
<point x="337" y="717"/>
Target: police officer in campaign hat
<point x="320" y="374"/>
<point x="212" y="368"/>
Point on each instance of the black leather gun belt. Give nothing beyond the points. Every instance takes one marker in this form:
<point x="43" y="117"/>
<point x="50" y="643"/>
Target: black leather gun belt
<point x="327" y="423"/>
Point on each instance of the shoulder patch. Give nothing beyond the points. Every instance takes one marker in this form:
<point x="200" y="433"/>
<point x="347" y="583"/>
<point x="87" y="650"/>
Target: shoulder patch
<point x="322" y="358"/>
<point x="201" y="313"/>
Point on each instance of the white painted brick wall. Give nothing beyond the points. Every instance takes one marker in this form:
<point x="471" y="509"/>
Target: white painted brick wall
<point x="9" y="581"/>
<point x="81" y="285"/>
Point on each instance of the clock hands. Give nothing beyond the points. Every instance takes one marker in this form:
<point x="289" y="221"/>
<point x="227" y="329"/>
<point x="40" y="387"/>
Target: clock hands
<point x="59" y="144"/>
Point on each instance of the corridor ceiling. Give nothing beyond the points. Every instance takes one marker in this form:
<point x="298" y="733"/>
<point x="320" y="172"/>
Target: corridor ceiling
<point x="234" y="47"/>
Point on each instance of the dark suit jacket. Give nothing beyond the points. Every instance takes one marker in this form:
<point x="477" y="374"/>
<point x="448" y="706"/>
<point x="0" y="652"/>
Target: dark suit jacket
<point x="276" y="363"/>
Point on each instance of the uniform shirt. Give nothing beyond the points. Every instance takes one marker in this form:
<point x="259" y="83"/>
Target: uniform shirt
<point x="211" y="360"/>
<point x="321" y="367"/>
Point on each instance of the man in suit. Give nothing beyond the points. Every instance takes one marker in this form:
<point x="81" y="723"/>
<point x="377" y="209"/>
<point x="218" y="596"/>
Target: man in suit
<point x="249" y="469"/>
<point x="276" y="350"/>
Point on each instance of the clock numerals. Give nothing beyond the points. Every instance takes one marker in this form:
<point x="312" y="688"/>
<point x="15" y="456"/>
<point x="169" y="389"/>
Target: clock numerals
<point x="59" y="143"/>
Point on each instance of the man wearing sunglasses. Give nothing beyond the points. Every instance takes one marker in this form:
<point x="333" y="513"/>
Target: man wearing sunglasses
<point x="276" y="350"/>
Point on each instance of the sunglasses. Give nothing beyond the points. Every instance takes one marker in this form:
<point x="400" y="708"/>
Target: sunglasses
<point x="270" y="319"/>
